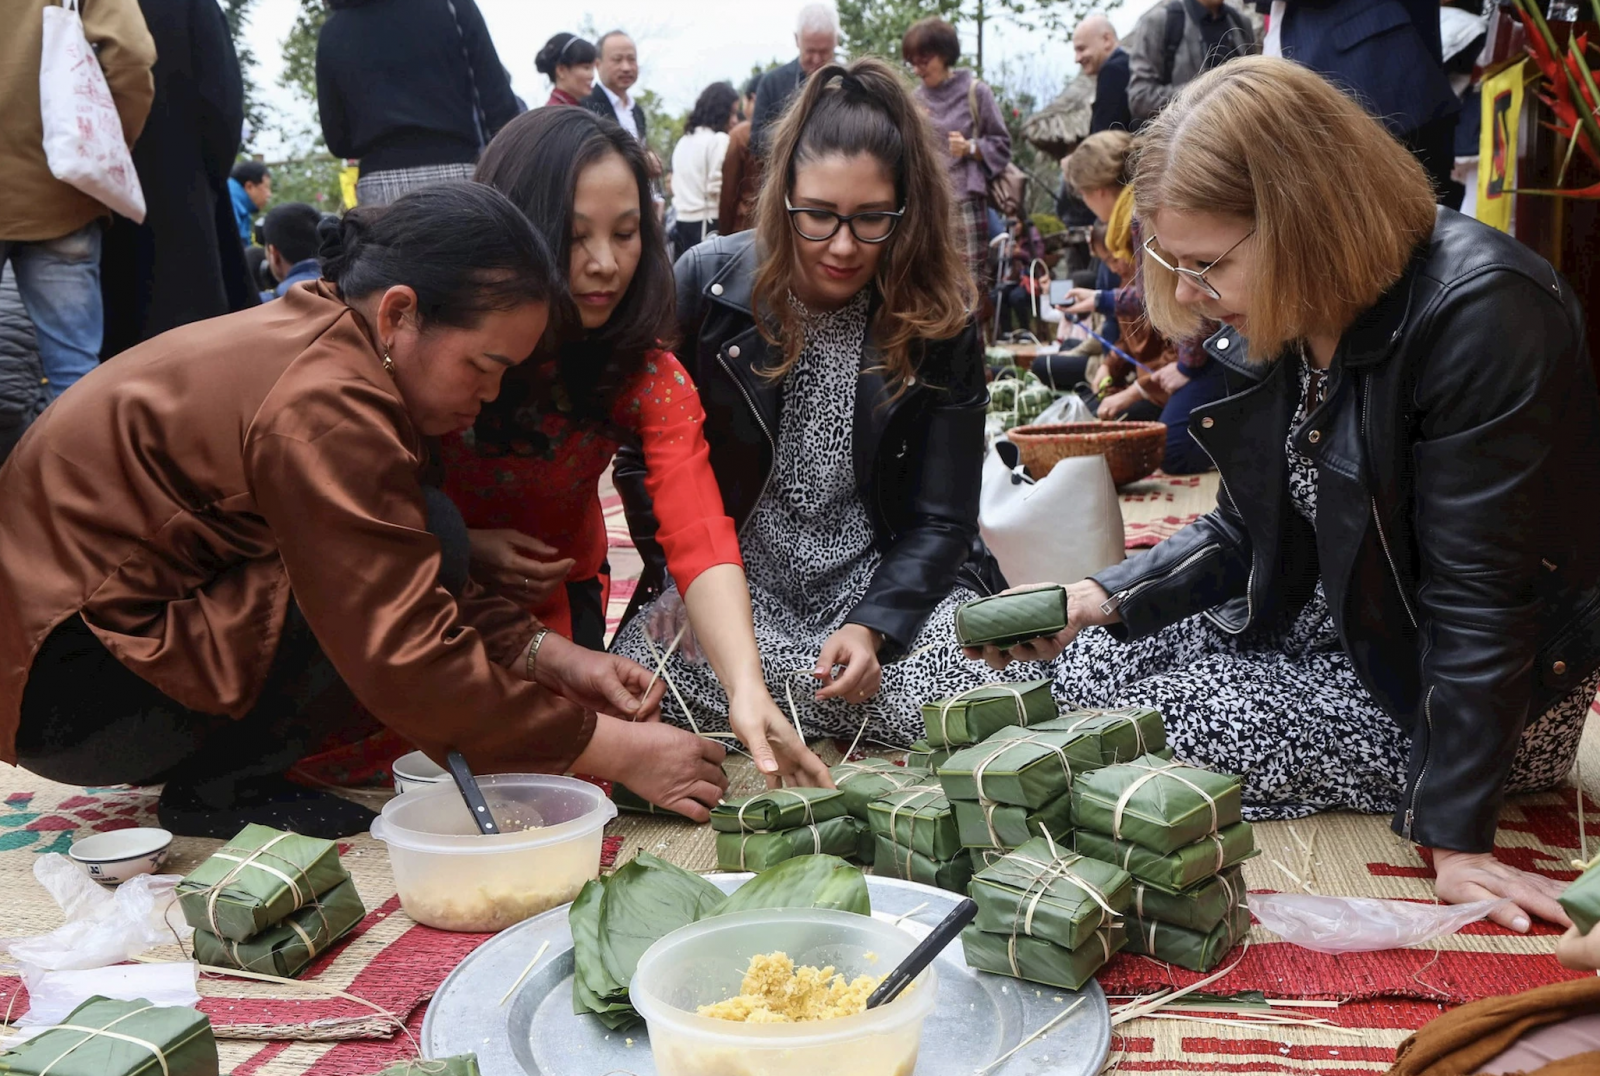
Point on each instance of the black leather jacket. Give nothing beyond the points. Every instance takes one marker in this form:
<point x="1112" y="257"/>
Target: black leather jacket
<point x="1458" y="456"/>
<point x="918" y="457"/>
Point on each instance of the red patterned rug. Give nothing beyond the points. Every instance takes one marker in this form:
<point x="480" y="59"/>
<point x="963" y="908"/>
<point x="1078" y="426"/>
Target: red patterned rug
<point x="1156" y="508"/>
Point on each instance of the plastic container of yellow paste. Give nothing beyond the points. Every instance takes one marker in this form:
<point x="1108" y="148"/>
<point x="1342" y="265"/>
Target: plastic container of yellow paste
<point x="452" y="877"/>
<point x="705" y="962"/>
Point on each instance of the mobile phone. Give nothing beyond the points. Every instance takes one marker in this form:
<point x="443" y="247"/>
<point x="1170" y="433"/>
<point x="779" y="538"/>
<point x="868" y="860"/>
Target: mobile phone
<point x="1058" y="292"/>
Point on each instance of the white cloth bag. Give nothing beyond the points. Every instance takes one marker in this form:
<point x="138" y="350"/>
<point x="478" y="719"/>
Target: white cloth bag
<point x="1060" y="529"/>
<point x="83" y="140"/>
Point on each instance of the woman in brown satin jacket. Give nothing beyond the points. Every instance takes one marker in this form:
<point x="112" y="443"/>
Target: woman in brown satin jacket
<point x="212" y="542"/>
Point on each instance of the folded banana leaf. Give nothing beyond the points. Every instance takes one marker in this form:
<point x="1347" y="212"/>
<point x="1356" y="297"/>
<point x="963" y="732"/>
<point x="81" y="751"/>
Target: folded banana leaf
<point x="1176" y="871"/>
<point x="778" y="808"/>
<point x="593" y="991"/>
<point x="865" y="849"/>
<point x="630" y="801"/>
<point x="257" y="879"/>
<point x="1161" y="805"/>
<point x="986" y="857"/>
<point x="285" y="949"/>
<point x="460" y="1065"/>
<point x="803" y="882"/>
<point x="1581" y="900"/>
<point x="1020" y="766"/>
<point x="1004" y="620"/>
<point x="1040" y="891"/>
<point x="1125" y="734"/>
<point x="1001" y="826"/>
<point x="1200" y="908"/>
<point x="183" y="1035"/>
<point x="918" y="818"/>
<point x="1192" y="949"/>
<point x="924" y="756"/>
<point x="864" y="781"/>
<point x="758" y="851"/>
<point x="1040" y="961"/>
<point x="893" y="861"/>
<point x="975" y="715"/>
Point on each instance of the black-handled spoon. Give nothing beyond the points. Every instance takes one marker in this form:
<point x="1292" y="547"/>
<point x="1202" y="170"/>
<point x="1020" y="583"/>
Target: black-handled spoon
<point x="468" y="786"/>
<point x="909" y="968"/>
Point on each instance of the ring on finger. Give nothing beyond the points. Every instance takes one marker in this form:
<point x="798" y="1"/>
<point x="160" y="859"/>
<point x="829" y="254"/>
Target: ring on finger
<point x="527" y="584"/>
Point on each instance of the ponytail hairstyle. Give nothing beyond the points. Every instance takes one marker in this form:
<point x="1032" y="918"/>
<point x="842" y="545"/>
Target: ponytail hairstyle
<point x="924" y="288"/>
<point x="464" y="248"/>
<point x="536" y="160"/>
<point x="563" y="50"/>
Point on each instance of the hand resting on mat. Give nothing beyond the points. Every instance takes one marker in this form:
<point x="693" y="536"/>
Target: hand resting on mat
<point x="1467" y="876"/>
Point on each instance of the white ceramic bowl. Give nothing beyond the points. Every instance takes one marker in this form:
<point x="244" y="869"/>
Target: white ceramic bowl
<point x="114" y="857"/>
<point x="415" y="771"/>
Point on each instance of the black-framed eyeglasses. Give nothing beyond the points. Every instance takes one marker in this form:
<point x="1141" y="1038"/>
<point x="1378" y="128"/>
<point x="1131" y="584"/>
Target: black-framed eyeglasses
<point x="1197" y="277"/>
<point x="821" y="225"/>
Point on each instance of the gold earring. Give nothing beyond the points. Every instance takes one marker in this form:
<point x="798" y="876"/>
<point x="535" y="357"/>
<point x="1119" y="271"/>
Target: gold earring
<point x="388" y="363"/>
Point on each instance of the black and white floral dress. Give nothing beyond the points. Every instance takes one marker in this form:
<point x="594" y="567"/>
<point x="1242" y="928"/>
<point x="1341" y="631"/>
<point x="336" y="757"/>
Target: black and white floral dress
<point x="809" y="557"/>
<point x="1283" y="706"/>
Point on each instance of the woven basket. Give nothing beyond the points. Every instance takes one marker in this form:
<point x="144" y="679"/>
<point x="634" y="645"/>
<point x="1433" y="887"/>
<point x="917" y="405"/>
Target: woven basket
<point x="1132" y="449"/>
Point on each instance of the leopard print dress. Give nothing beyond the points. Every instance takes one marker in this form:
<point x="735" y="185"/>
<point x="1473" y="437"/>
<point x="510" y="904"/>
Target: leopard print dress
<point x="1283" y="706"/>
<point x="809" y="555"/>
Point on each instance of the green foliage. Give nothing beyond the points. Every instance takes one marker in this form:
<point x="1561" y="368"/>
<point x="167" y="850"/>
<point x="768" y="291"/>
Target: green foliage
<point x="662" y="128"/>
<point x="1048" y="223"/>
<point x="313" y="178"/>
<point x="300" y="51"/>
<point x="875" y="27"/>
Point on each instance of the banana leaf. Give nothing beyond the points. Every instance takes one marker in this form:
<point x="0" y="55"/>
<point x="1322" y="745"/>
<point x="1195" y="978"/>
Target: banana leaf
<point x="1003" y="827"/>
<point x="258" y="878"/>
<point x="1038" y="891"/>
<point x="644" y="901"/>
<point x="1176" y="871"/>
<point x="1020" y="766"/>
<point x="460" y="1065"/>
<point x="1200" y="908"/>
<point x="1004" y="620"/>
<point x="1124" y="734"/>
<point x="593" y="991"/>
<point x="759" y="851"/>
<point x="1581" y="899"/>
<point x="917" y="818"/>
<point x="630" y="801"/>
<point x="1161" y="805"/>
<point x="975" y="715"/>
<point x="286" y="949"/>
<point x="893" y="861"/>
<point x="803" y="882"/>
<point x="864" y="781"/>
<point x="926" y="757"/>
<point x="778" y="808"/>
<point x="865" y="849"/>
<point x="1040" y="961"/>
<point x="184" y="1036"/>
<point x="1192" y="949"/>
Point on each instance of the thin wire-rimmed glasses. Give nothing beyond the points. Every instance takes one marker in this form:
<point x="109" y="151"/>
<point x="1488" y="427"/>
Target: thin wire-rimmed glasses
<point x="821" y="225"/>
<point x="1197" y="277"/>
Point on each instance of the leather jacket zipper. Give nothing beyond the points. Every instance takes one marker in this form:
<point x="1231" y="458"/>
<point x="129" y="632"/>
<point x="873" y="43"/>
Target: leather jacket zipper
<point x="771" y="441"/>
<point x="1250" y="580"/>
<point x="1377" y="520"/>
<point x="1416" y="789"/>
<point x="1119" y="600"/>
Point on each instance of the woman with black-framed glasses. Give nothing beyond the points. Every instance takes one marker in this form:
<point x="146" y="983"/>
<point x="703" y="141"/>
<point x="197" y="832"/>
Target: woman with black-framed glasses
<point x="842" y="376"/>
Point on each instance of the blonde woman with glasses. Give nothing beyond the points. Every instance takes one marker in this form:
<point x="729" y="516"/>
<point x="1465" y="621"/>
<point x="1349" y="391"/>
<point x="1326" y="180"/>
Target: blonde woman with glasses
<point x="1390" y="609"/>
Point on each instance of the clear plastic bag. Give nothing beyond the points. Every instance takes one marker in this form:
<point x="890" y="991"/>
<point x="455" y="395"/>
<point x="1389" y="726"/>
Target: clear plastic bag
<point x="102" y="927"/>
<point x="1361" y="924"/>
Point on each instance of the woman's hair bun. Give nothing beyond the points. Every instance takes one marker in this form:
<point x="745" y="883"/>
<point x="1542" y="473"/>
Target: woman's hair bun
<point x="338" y="238"/>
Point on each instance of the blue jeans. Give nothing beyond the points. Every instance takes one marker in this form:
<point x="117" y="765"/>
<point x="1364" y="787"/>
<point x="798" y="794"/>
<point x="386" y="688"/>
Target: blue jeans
<point x="60" y="284"/>
<point x="1184" y="454"/>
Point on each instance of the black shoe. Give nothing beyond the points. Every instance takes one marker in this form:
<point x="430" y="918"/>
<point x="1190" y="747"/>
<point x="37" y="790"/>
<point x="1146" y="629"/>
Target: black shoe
<point x="269" y="801"/>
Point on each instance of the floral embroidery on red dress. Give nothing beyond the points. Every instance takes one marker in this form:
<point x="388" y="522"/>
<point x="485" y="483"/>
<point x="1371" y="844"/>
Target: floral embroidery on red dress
<point x="531" y="464"/>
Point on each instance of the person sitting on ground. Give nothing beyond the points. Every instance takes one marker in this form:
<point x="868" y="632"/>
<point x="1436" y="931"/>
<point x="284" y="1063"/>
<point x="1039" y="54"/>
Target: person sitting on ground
<point x="527" y="474"/>
<point x="1389" y="610"/>
<point x="1024" y="277"/>
<point x="1172" y="379"/>
<point x="842" y="376"/>
<point x="267" y="557"/>
<point x="567" y="60"/>
<point x="697" y="164"/>
<point x="1078" y="369"/>
<point x="250" y="187"/>
<point x="290" y="234"/>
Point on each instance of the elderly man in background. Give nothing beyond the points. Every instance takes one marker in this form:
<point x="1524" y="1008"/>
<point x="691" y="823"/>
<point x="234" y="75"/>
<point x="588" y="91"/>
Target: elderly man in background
<point x="816" y="34"/>
<point x="1102" y="58"/>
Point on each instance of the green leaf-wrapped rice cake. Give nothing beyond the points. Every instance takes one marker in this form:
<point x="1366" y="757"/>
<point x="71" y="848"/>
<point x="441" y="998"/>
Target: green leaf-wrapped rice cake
<point x="1200" y="908"/>
<point x="1192" y="949"/>
<point x="1176" y="871"/>
<point x="285" y="949"/>
<point x="977" y="714"/>
<point x="256" y="880"/>
<point x="918" y="818"/>
<point x="1001" y="826"/>
<point x="758" y="851"/>
<point x="864" y="781"/>
<point x="143" y="1040"/>
<point x="1039" y="891"/>
<point x="1003" y="620"/>
<point x="1040" y="961"/>
<point x="893" y="861"/>
<point x="1160" y="805"/>
<point x="1124" y="734"/>
<point x="1024" y="767"/>
<point x="778" y="808"/>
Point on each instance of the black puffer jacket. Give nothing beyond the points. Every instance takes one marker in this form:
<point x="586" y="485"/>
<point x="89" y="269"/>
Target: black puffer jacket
<point x="22" y="394"/>
<point x="1458" y="456"/>
<point x="918" y="456"/>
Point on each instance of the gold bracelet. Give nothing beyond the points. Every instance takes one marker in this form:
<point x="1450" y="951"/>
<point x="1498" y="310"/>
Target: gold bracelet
<point x="533" y="650"/>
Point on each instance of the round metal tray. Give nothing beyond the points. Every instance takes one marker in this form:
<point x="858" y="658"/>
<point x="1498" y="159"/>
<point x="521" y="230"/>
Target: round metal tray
<point x="535" y="1033"/>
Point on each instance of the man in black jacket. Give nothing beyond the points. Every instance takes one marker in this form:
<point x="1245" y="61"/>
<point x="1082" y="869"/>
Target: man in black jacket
<point x="1095" y="46"/>
<point x="184" y="263"/>
<point x="816" y="34"/>
<point x="617" y="72"/>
